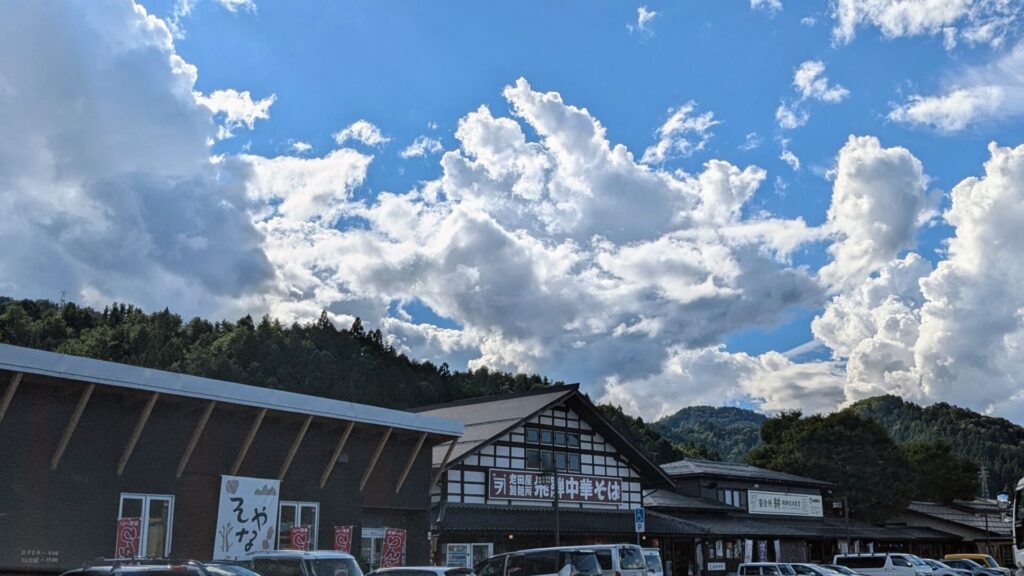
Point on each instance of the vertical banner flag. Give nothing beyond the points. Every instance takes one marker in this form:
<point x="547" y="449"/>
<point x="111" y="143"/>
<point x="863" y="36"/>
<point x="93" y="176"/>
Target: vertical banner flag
<point x="343" y="538"/>
<point x="129" y="534"/>
<point x="778" y="551"/>
<point x="762" y="550"/>
<point x="394" y="546"/>
<point x="299" y="538"/>
<point x="748" y="550"/>
<point x="246" y="517"/>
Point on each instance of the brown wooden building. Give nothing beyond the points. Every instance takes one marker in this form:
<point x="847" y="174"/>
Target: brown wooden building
<point x="85" y="442"/>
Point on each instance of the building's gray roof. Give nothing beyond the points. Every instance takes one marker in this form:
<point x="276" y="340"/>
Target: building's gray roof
<point x="971" y="513"/>
<point x="662" y="498"/>
<point x="486" y="418"/>
<point x="51" y="364"/>
<point x="698" y="468"/>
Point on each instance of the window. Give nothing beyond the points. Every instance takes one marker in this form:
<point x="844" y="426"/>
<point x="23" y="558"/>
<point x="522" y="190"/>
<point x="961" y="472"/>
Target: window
<point x="157" y="514"/>
<point x="735" y="498"/>
<point x="545" y="437"/>
<point x="559" y="438"/>
<point x="468" y="555"/>
<point x="277" y="566"/>
<point x="298" y="514"/>
<point x="545" y="460"/>
<point x="604" y="558"/>
<point x="901" y="562"/>
<point x="533" y="435"/>
<point x="861" y="561"/>
<point x="573" y="440"/>
<point x="631" y="558"/>
<point x="770" y="570"/>
<point x="533" y="459"/>
<point x="533" y="564"/>
<point x="492" y="567"/>
<point x="574" y="462"/>
<point x="560" y="460"/>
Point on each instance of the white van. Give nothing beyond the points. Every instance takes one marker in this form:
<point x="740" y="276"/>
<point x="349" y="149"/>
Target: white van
<point x="652" y="556"/>
<point x="562" y="561"/>
<point x="620" y="559"/>
<point x="884" y="564"/>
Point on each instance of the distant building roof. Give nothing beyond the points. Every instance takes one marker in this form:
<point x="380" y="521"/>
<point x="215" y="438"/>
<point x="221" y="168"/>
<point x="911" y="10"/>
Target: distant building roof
<point x="970" y="513"/>
<point x="63" y="366"/>
<point x="668" y="499"/>
<point x="746" y="525"/>
<point x="488" y="418"/>
<point x="700" y="468"/>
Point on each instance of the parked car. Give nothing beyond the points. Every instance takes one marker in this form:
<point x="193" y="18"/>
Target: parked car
<point x="983" y="559"/>
<point x="942" y="569"/>
<point x="299" y="563"/>
<point x="806" y="569"/>
<point x="652" y="557"/>
<point x="620" y="559"/>
<point x="765" y="569"/>
<point x="582" y="561"/>
<point x="423" y="571"/>
<point x="884" y="564"/>
<point x="139" y="567"/>
<point x="971" y="566"/>
<point x="843" y="570"/>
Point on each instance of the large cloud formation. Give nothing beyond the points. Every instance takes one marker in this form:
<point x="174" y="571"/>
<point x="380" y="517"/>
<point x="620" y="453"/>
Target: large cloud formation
<point x="546" y="245"/>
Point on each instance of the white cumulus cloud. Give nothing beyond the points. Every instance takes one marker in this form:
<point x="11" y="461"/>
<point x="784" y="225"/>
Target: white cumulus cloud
<point x="975" y="21"/>
<point x="422" y="146"/>
<point x="644" y="17"/>
<point x="361" y="131"/>
<point x="682" y="134"/>
<point x="237" y="108"/>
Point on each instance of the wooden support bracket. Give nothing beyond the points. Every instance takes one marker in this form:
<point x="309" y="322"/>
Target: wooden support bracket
<point x="410" y="461"/>
<point x="12" y="387"/>
<point x="295" y="448"/>
<point x="337" y="454"/>
<point x="248" y="441"/>
<point x="72" y="424"/>
<point x="196" y="434"/>
<point x="137" y="433"/>
<point x="376" y="457"/>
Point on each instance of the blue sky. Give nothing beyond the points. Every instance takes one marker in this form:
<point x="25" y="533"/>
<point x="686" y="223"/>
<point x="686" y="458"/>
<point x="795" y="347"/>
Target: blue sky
<point x="461" y="256"/>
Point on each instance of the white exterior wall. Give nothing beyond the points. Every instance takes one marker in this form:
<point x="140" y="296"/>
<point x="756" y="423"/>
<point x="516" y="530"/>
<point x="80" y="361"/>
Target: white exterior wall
<point x="467" y="482"/>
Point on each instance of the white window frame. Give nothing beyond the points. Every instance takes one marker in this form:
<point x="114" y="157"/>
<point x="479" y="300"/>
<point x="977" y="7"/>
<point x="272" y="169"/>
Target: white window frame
<point x="469" y="557"/>
<point x="146" y="498"/>
<point x="298" y="506"/>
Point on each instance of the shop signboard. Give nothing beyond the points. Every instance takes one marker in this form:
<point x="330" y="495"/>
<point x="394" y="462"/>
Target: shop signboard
<point x="394" y="546"/>
<point x="343" y="538"/>
<point x="246" y="517"/>
<point x="781" y="503"/>
<point x="129" y="534"/>
<point x="716" y="566"/>
<point x="528" y="485"/>
<point x="298" y="538"/>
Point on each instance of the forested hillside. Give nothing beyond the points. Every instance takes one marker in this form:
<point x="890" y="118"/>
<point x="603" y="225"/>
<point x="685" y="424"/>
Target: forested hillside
<point x="728" y="432"/>
<point x="349" y="364"/>
<point x="995" y="443"/>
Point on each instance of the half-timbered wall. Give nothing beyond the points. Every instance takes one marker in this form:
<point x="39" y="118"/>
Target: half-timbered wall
<point x="466" y="482"/>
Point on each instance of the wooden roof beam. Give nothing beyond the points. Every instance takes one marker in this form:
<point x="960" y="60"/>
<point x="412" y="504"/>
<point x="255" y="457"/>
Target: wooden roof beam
<point x="337" y="453"/>
<point x="12" y="387"/>
<point x="139" y="427"/>
<point x="376" y="457"/>
<point x="410" y="461"/>
<point x="444" y="462"/>
<point x="83" y="400"/>
<point x="295" y="448"/>
<point x="248" y="441"/>
<point x="196" y="434"/>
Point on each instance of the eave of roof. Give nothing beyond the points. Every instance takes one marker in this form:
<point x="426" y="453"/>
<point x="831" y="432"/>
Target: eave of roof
<point x="67" y="367"/>
<point x="693" y="468"/>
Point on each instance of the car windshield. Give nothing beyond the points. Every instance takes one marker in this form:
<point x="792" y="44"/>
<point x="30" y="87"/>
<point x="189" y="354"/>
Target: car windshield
<point x="584" y="562"/>
<point x="991" y="562"/>
<point x="335" y="567"/>
<point x="916" y="560"/>
<point x="840" y="569"/>
<point x="630" y="558"/>
<point x="228" y="570"/>
<point x="787" y="570"/>
<point x="971" y="563"/>
<point x="653" y="560"/>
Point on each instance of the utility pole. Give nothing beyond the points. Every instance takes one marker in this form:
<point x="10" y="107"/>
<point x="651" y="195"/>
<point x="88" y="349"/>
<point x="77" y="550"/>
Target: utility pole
<point x="983" y="481"/>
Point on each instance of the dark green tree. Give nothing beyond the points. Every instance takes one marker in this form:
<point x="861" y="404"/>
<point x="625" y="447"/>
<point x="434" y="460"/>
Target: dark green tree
<point x="938" y="475"/>
<point x="854" y="453"/>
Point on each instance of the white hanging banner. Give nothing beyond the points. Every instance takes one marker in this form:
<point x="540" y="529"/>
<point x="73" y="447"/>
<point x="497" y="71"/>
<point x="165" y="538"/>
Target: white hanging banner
<point x="246" y="517"/>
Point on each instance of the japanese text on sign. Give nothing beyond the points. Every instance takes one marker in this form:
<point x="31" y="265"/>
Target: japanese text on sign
<point x="782" y="503"/>
<point x="246" y="517"/>
<point x="525" y="485"/>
